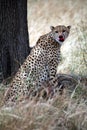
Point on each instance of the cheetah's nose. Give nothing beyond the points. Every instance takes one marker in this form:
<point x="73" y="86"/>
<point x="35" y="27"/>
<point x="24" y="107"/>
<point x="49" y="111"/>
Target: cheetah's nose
<point x="60" y="36"/>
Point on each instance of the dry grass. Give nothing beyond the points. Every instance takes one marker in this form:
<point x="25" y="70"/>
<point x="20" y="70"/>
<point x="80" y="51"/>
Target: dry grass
<point x="64" y="112"/>
<point x="67" y="111"/>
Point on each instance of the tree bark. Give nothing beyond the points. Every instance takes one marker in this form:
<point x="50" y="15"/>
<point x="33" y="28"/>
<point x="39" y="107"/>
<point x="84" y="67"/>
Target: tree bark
<point x="14" y="42"/>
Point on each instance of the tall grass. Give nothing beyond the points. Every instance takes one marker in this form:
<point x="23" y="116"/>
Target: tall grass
<point x="64" y="112"/>
<point x="75" y="57"/>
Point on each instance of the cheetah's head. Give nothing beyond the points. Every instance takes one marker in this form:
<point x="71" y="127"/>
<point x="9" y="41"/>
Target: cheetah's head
<point x="60" y="33"/>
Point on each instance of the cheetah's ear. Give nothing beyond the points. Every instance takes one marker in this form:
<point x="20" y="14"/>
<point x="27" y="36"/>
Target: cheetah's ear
<point x="52" y="28"/>
<point x="68" y="27"/>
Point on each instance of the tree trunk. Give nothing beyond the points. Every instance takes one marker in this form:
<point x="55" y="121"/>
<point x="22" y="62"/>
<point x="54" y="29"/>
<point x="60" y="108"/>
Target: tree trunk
<point x="14" y="43"/>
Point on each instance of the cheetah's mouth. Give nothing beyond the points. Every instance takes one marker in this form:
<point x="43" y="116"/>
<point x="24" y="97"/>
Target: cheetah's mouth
<point x="61" y="39"/>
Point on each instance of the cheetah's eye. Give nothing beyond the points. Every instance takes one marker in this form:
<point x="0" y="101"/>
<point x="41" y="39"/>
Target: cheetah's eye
<point x="56" y="31"/>
<point x="64" y="30"/>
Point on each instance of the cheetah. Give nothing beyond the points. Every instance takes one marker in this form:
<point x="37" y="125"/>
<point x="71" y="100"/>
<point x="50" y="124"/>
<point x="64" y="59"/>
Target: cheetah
<point x="40" y="65"/>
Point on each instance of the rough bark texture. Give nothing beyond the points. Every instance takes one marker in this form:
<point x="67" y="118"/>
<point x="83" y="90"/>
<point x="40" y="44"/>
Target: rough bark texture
<point x="14" y="44"/>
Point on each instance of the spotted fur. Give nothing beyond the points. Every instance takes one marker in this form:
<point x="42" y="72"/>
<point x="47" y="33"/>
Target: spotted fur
<point x="40" y="65"/>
